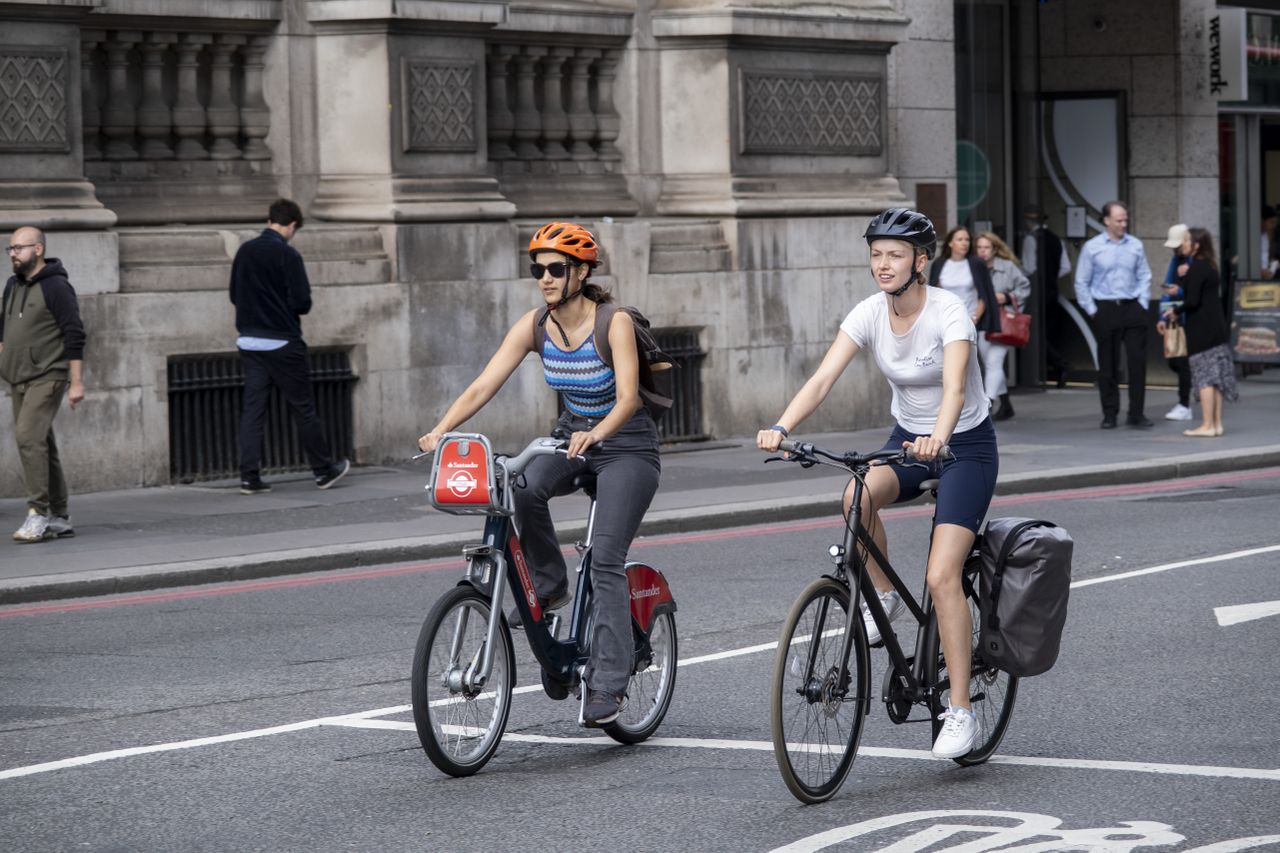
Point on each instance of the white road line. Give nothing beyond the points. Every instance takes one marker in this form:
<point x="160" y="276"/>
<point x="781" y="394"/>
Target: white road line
<point x="348" y="719"/>
<point x="871" y="752"/>
<point x="1237" y="613"/>
<point x="1234" y="555"/>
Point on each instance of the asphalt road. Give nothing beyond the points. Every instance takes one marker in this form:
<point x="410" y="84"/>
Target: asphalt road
<point x="272" y="715"/>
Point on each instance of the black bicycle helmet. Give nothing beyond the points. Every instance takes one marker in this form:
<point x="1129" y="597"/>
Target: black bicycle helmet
<point x="900" y="223"/>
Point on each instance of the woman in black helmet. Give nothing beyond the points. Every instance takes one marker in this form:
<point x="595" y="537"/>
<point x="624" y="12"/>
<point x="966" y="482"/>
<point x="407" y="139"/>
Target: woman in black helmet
<point x="924" y="342"/>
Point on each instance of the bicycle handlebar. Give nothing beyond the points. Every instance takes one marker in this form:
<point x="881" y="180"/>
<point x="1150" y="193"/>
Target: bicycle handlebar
<point x="542" y="446"/>
<point x="804" y="451"/>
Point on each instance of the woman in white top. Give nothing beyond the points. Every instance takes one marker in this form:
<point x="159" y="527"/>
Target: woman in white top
<point x="1012" y="290"/>
<point x="923" y="340"/>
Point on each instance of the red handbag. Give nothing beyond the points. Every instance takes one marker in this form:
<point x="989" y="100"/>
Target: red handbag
<point x="1015" y="326"/>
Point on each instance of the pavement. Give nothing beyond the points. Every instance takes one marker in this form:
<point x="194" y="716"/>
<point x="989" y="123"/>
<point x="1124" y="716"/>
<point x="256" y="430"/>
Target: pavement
<point x="137" y="539"/>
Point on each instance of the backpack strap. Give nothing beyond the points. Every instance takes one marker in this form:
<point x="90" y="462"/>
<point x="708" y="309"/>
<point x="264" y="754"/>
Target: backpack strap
<point x="997" y="581"/>
<point x="539" y="330"/>
<point x="604" y="316"/>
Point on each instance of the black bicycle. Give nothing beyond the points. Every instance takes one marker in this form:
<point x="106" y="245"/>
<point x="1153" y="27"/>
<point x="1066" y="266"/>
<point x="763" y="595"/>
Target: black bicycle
<point x="464" y="666"/>
<point x="822" y="674"/>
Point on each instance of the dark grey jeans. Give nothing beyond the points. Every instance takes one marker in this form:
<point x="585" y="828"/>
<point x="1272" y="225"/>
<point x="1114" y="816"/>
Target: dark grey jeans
<point x="627" y="467"/>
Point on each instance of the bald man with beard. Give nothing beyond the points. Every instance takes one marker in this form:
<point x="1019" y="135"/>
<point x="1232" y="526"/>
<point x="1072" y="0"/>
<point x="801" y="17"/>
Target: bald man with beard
<point x="42" y="358"/>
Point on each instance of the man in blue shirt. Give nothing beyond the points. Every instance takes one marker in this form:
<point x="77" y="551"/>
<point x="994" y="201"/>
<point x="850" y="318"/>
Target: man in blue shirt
<point x="270" y="290"/>
<point x="1113" y="285"/>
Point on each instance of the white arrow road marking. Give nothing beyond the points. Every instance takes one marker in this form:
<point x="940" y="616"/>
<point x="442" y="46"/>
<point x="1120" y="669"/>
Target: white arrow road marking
<point x="1238" y="613"/>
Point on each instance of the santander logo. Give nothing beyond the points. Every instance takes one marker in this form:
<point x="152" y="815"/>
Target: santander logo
<point x="645" y="593"/>
<point x="461" y="483"/>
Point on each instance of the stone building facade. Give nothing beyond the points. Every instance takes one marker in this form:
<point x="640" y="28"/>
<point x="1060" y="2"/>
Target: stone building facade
<point x="729" y="153"/>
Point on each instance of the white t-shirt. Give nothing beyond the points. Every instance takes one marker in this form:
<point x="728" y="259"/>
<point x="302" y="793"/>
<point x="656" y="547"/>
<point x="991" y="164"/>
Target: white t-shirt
<point x="957" y="278"/>
<point x="913" y="362"/>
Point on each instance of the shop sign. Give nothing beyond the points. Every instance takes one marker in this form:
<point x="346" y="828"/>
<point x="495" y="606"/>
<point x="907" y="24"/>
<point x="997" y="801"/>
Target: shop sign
<point x="1256" y="322"/>
<point x="1228" y="72"/>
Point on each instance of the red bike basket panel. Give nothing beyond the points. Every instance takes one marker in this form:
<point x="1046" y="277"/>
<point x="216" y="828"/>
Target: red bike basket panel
<point x="649" y="593"/>
<point x="462" y="476"/>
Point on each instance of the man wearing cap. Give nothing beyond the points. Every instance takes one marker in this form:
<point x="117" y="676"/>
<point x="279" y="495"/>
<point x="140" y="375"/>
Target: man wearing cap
<point x="1113" y="285"/>
<point x="1170" y="312"/>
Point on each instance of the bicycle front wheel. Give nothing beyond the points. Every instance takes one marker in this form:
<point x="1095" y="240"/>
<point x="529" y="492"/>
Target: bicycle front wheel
<point x="651" y="687"/>
<point x="992" y="692"/>
<point x="461" y="725"/>
<point x="819" y="702"/>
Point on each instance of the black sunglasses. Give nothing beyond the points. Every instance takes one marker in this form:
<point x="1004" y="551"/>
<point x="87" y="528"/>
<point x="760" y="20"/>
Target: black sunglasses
<point x="559" y="269"/>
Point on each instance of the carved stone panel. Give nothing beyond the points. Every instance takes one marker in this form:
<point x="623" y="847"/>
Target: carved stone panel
<point x="33" y="99"/>
<point x="439" y="106"/>
<point x="784" y="112"/>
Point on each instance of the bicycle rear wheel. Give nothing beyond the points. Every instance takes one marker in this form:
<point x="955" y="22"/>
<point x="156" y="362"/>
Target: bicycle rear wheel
<point x="992" y="692"/>
<point x="460" y="727"/>
<point x="650" y="689"/>
<point x="818" y="715"/>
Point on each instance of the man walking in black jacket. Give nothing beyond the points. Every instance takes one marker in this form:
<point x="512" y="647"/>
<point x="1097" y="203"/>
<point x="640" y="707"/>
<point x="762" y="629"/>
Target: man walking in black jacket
<point x="42" y="358"/>
<point x="270" y="290"/>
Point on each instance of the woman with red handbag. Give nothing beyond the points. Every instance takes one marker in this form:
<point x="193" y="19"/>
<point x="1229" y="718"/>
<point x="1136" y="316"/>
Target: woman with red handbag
<point x="1012" y="290"/>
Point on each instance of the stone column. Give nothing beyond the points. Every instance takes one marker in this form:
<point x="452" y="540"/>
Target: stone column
<point x="582" y="122"/>
<point x="255" y="118"/>
<point x="528" y="121"/>
<point x="607" y="120"/>
<point x="502" y="122"/>
<point x="189" y="120"/>
<point x="155" y="120"/>
<point x="119" y="118"/>
<point x="223" y="115"/>
<point x="555" y="122"/>
<point x="92" y="116"/>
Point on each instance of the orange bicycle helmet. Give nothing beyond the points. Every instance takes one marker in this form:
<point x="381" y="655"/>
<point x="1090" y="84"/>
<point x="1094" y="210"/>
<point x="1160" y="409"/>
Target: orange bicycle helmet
<point x="567" y="238"/>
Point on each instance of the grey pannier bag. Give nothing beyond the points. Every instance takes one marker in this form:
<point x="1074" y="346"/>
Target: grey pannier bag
<point x="1026" y="578"/>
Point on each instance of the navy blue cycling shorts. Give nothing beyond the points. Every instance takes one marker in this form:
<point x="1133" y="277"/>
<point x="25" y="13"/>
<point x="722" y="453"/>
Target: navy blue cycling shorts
<point x="965" y="483"/>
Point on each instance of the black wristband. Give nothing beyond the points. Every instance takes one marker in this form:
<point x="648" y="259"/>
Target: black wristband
<point x="780" y="428"/>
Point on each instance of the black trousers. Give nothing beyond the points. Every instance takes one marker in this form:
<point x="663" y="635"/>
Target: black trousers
<point x="1122" y="324"/>
<point x="288" y="370"/>
<point x="1182" y="367"/>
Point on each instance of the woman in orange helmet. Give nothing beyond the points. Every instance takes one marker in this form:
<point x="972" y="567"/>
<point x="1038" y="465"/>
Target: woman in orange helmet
<point x="611" y="434"/>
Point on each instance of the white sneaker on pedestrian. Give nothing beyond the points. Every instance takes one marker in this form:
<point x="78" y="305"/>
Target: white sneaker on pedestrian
<point x="959" y="733"/>
<point x="1178" y="413"/>
<point x="60" y="527"/>
<point x="34" y="529"/>
<point x="893" y="607"/>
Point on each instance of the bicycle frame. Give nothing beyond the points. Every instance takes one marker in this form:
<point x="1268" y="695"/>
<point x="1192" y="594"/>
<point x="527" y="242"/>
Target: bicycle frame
<point x="852" y="571"/>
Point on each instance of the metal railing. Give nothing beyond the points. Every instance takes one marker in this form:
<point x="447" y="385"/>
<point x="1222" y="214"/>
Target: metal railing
<point x="683" y="421"/>
<point x="206" y="394"/>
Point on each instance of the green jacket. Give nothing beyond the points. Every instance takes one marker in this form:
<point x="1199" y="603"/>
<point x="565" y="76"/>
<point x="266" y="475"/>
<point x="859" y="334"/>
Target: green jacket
<point x="40" y="326"/>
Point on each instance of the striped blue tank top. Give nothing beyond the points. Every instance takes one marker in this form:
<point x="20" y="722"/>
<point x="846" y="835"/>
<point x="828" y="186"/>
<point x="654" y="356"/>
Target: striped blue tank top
<point x="585" y="382"/>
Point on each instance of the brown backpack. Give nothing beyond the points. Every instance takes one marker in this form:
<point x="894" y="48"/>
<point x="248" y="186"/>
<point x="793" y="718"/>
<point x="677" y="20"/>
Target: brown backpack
<point x="656" y="381"/>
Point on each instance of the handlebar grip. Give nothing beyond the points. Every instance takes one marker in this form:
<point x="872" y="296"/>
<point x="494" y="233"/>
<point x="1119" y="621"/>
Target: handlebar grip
<point x="787" y="445"/>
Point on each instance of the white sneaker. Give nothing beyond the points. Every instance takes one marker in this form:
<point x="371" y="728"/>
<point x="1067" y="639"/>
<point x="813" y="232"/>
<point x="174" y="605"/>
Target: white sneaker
<point x="1178" y="413"/>
<point x="893" y="607"/>
<point x="34" y="529"/>
<point x="59" y="527"/>
<point x="959" y="733"/>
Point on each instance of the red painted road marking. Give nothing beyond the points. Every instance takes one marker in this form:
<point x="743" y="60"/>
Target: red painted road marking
<point x="234" y="587"/>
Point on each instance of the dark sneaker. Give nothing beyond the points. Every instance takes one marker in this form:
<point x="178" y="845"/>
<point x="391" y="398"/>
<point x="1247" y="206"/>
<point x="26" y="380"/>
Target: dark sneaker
<point x="560" y="600"/>
<point x="1138" y="422"/>
<point x="253" y="487"/>
<point x="601" y="708"/>
<point x="336" y="473"/>
<point x="59" y="527"/>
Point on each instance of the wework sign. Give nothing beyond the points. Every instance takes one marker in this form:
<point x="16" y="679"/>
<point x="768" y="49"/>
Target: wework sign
<point x="1228" y="78"/>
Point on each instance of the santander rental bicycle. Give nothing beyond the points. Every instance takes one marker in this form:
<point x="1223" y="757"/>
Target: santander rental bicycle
<point x="464" y="666"/>
<point x="822" y="674"/>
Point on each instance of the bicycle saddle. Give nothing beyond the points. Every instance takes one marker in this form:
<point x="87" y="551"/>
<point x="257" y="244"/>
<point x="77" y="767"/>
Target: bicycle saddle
<point x="587" y="482"/>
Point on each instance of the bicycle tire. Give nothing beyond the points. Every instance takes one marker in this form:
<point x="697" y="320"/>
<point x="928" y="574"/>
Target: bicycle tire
<point x="649" y="691"/>
<point x="461" y="730"/>
<point x="992" y="692"/>
<point x="813" y="770"/>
